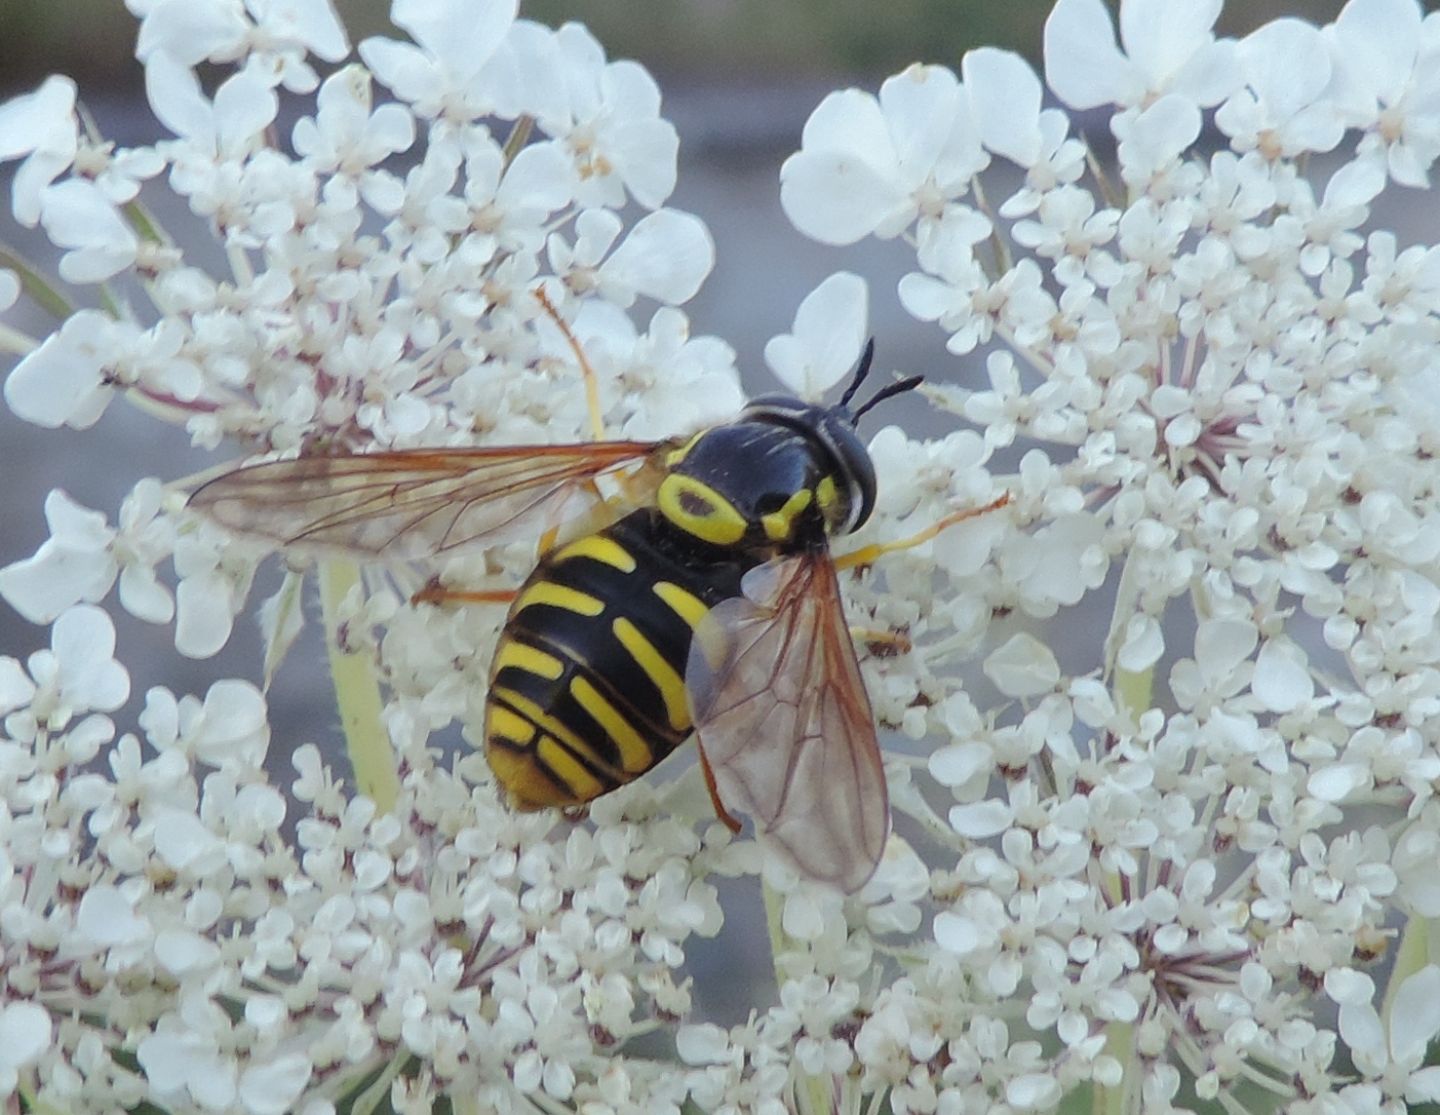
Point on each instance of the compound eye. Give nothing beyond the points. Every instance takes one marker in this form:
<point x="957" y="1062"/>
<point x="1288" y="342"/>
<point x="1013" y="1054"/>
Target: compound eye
<point x="699" y="509"/>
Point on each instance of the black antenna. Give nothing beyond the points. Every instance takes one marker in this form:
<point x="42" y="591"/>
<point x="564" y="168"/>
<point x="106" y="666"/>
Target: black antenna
<point x="889" y="391"/>
<point x="861" y="371"/>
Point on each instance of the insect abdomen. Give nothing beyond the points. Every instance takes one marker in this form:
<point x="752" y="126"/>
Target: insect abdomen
<point x="587" y="688"/>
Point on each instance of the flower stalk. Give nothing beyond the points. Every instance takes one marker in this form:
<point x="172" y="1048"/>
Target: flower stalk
<point x="357" y="691"/>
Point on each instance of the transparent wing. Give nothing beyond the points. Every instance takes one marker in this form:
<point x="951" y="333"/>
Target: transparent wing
<point x="785" y="723"/>
<point x="417" y="503"/>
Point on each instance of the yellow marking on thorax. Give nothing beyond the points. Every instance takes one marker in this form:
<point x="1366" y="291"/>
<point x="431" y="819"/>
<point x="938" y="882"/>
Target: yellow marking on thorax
<point x="525" y="657"/>
<point x="699" y="509"/>
<point x="780" y="523"/>
<point x="598" y="548"/>
<point x="659" y="671"/>
<point x="827" y="496"/>
<point x="635" y="754"/>
<point x="686" y="605"/>
<point x="559" y="596"/>
<point x="675" y="456"/>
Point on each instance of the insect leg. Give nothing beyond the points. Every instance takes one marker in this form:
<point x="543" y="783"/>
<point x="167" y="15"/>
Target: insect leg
<point x="882" y="644"/>
<point x="436" y="593"/>
<point x="592" y="384"/>
<point x="865" y="555"/>
<point x="726" y="817"/>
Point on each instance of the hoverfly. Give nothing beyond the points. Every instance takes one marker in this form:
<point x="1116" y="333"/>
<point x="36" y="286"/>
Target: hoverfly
<point x="703" y="600"/>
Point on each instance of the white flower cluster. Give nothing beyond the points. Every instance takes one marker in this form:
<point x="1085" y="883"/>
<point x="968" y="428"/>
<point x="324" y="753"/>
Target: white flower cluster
<point x="174" y="929"/>
<point x="365" y="304"/>
<point x="1172" y="846"/>
<point x="1158" y="859"/>
<point x="240" y="968"/>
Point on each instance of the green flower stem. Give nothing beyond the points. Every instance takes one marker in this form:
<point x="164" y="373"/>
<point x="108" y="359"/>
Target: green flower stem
<point x="34" y="1104"/>
<point x="1133" y="690"/>
<point x="378" y="1094"/>
<point x="40" y="289"/>
<point x="145" y="224"/>
<point x="357" y="693"/>
<point x="13" y="340"/>
<point x="517" y="139"/>
<point x="1120" y="1044"/>
<point x="1415" y="950"/>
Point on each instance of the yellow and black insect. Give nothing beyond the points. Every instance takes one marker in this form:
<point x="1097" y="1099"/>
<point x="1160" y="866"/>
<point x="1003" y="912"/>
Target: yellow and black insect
<point x="704" y="599"/>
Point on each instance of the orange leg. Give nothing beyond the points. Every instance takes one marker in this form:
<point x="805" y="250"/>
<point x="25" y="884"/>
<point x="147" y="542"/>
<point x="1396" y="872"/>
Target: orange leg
<point x="865" y="555"/>
<point x="436" y="593"/>
<point x="882" y="644"/>
<point x="726" y="817"/>
<point x="592" y="384"/>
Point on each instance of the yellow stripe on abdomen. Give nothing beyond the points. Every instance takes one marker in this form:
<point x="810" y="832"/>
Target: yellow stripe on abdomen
<point x="559" y="596"/>
<point x="538" y="760"/>
<point x="658" y="670"/>
<point x="635" y="754"/>
<point x="597" y="547"/>
<point x="509" y="726"/>
<point x="532" y="660"/>
<point x="682" y="602"/>
<point x="566" y="767"/>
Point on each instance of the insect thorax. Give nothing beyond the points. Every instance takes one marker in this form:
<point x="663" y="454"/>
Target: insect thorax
<point x="755" y="485"/>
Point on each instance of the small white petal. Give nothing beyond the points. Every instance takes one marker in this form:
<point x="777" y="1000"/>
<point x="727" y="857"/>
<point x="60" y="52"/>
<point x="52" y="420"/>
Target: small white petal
<point x="202" y="615"/>
<point x="182" y="840"/>
<point x="957" y="763"/>
<point x="77" y="215"/>
<point x="106" y="917"/>
<point x="61" y="382"/>
<point x="666" y="257"/>
<point x="1084" y="66"/>
<point x="1033" y="1091"/>
<point x="1338" y="781"/>
<point x="956" y="933"/>
<point x="1221" y="645"/>
<point x="830" y="327"/>
<point x="1005" y="96"/>
<point x="702" y="1044"/>
<point x="167" y="1059"/>
<point x="272" y="1089"/>
<point x="1282" y="680"/>
<point x="16" y="688"/>
<point x="981" y="820"/>
<point x="1143" y="646"/>
<point x="804" y="916"/>
<point x="83" y="639"/>
<point x="1423" y="1086"/>
<point x="1022" y="667"/>
<point x="143" y="596"/>
<point x="235" y="726"/>
<point x="1415" y="1015"/>
<point x="182" y="951"/>
<point x="25" y="1033"/>
<point x="188" y="32"/>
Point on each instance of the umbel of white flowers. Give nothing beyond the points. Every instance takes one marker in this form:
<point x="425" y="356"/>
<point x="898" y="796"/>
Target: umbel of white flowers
<point x="1186" y="852"/>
